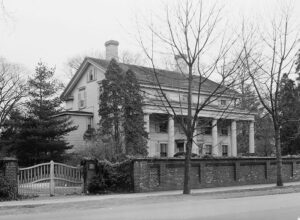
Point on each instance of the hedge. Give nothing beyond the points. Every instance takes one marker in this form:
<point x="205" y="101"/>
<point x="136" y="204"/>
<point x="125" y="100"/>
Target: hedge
<point x="117" y="177"/>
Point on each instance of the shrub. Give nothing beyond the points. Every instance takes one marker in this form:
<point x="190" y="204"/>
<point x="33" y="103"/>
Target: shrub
<point x="110" y="177"/>
<point x="250" y="154"/>
<point x="182" y="154"/>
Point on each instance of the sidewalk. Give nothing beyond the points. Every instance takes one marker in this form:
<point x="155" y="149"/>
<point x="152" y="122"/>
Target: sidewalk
<point x="83" y="198"/>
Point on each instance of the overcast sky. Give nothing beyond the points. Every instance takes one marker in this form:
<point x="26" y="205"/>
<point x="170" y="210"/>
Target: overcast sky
<point x="55" y="30"/>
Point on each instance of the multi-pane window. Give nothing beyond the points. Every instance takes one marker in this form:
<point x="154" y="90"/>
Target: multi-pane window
<point x="225" y="150"/>
<point x="224" y="131"/>
<point x="180" y="146"/>
<point x="163" y="127"/>
<point x="208" y="149"/>
<point x="163" y="149"/>
<point x="206" y="129"/>
<point x="223" y="102"/>
<point x="81" y="98"/>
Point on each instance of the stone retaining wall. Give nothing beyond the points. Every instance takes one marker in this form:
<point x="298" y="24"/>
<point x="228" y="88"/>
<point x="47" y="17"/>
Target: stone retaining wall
<point x="167" y="174"/>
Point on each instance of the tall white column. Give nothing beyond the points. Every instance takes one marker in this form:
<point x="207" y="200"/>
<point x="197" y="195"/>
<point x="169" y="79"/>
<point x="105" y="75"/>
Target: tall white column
<point x="194" y="145"/>
<point x="215" y="149"/>
<point x="233" y="139"/>
<point x="251" y="137"/>
<point x="147" y="129"/>
<point x="171" y="137"/>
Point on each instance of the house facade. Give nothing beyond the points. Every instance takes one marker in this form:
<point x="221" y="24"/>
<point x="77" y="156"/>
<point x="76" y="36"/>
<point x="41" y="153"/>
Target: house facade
<point x="215" y="132"/>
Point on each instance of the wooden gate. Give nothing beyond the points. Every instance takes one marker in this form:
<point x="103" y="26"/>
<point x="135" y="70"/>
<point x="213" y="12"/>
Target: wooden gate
<point x="50" y="179"/>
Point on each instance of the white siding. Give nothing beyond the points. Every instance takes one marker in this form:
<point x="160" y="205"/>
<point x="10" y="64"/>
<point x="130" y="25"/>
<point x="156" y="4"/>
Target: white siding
<point x="92" y="93"/>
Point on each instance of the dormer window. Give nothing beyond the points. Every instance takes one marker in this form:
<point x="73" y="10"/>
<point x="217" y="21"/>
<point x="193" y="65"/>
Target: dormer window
<point x="91" y="74"/>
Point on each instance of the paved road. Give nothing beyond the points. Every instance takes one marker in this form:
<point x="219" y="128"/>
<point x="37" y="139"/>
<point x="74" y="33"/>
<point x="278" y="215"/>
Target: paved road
<point x="280" y="206"/>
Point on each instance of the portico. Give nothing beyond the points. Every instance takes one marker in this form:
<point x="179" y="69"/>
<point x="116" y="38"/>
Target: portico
<point x="219" y="139"/>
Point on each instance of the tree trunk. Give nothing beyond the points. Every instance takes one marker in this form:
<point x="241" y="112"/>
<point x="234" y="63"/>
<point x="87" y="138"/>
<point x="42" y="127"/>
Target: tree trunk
<point x="278" y="156"/>
<point x="187" y="167"/>
<point x="189" y="136"/>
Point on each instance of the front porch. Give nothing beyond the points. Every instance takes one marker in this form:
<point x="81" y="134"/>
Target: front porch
<point x="213" y="136"/>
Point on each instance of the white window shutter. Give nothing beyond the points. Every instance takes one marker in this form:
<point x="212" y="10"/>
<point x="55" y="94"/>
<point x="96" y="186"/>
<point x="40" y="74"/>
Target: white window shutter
<point x="79" y="98"/>
<point x="84" y="99"/>
<point x="157" y="149"/>
<point x="95" y="74"/>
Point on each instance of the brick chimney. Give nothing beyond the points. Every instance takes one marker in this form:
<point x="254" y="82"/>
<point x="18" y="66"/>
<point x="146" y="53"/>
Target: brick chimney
<point x="111" y="47"/>
<point x="180" y="64"/>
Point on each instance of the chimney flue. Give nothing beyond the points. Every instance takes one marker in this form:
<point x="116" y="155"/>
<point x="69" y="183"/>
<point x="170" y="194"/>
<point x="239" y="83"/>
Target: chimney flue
<point x="111" y="50"/>
<point x="181" y="65"/>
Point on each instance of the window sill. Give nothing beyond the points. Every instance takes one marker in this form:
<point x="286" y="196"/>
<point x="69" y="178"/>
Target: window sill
<point x="91" y="81"/>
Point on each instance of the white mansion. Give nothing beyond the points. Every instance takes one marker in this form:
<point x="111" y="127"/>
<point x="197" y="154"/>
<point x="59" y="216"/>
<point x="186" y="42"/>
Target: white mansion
<point x="166" y="138"/>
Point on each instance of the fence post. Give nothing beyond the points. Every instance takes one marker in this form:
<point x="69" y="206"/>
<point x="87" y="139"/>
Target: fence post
<point x="52" y="178"/>
<point x="89" y="171"/>
<point x="9" y="171"/>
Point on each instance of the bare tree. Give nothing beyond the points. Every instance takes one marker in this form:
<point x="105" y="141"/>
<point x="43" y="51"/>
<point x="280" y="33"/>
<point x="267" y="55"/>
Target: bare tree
<point x="12" y="88"/>
<point x="270" y="53"/>
<point x="73" y="63"/>
<point x="193" y="35"/>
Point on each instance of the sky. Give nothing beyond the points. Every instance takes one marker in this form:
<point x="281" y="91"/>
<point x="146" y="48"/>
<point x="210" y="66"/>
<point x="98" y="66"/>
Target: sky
<point x="53" y="31"/>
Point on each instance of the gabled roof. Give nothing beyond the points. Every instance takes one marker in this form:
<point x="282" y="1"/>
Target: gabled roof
<point x="145" y="75"/>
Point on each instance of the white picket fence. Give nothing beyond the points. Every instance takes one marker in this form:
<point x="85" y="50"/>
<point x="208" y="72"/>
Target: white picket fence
<point x="50" y="178"/>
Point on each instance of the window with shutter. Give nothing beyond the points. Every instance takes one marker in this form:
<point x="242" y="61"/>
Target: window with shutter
<point x="82" y="98"/>
<point x="163" y="149"/>
<point x="208" y="149"/>
<point x="224" y="150"/>
<point x="79" y="98"/>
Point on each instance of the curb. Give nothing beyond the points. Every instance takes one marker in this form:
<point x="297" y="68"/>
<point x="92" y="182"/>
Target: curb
<point x="206" y="191"/>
